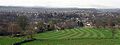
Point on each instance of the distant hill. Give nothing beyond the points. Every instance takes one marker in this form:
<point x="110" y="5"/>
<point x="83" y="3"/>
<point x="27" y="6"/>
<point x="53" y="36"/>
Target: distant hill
<point x="108" y="10"/>
<point x="42" y="9"/>
<point x="39" y="9"/>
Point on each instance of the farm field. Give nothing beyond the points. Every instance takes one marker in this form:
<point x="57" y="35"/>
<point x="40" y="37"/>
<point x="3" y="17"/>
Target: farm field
<point x="76" y="36"/>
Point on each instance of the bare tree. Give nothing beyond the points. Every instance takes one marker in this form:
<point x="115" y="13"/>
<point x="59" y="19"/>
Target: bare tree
<point x="30" y="31"/>
<point x="14" y="29"/>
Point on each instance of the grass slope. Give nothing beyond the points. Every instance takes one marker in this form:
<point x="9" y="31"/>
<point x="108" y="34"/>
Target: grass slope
<point x="76" y="36"/>
<point x="76" y="33"/>
<point x="75" y="42"/>
<point x="9" y="40"/>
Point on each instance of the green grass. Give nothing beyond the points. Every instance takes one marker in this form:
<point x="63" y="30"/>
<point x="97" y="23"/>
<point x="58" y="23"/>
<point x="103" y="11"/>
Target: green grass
<point x="76" y="33"/>
<point x="76" y="36"/>
<point x="75" y="42"/>
<point x="9" y="40"/>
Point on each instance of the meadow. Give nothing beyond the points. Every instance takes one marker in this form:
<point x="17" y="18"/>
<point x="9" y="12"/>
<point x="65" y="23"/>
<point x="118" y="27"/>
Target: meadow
<point x="75" y="36"/>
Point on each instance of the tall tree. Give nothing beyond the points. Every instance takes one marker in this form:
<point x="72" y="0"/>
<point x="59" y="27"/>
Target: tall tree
<point x="22" y="21"/>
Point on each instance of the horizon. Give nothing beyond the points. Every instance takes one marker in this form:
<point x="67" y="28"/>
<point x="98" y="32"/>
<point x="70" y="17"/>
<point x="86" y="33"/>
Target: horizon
<point x="56" y="7"/>
<point x="63" y="3"/>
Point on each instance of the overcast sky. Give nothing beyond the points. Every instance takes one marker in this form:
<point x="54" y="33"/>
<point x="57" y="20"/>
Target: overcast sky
<point x="63" y="3"/>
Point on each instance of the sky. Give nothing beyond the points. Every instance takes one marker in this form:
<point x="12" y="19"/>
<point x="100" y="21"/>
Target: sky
<point x="63" y="3"/>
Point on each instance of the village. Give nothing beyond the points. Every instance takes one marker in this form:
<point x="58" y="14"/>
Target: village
<point x="61" y="23"/>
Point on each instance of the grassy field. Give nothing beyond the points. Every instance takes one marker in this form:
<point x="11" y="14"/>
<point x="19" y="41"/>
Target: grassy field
<point x="9" y="40"/>
<point x="76" y="42"/>
<point x="76" y="36"/>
